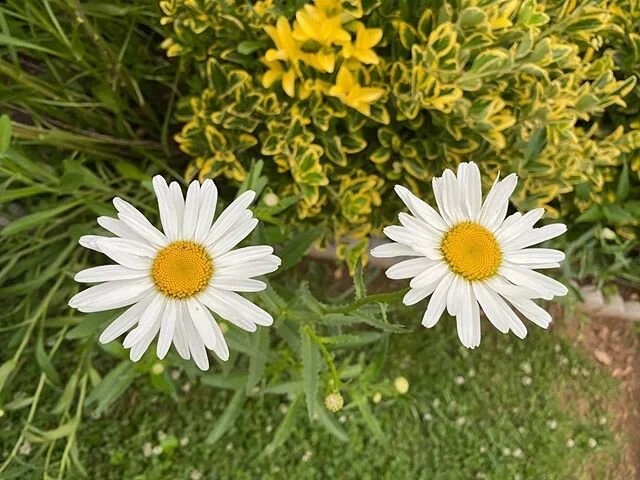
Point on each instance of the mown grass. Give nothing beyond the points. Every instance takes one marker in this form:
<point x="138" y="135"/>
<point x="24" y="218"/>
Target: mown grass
<point x="488" y="413"/>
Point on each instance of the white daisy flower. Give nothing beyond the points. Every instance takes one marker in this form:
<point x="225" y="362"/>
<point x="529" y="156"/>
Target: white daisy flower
<point x="468" y="255"/>
<point x="174" y="280"/>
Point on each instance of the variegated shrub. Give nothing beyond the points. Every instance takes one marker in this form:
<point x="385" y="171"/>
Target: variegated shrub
<point x="343" y="99"/>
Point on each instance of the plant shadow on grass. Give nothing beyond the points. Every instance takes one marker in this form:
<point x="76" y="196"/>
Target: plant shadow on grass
<point x="496" y="412"/>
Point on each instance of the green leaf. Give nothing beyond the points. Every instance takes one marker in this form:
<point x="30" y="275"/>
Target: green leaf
<point x="593" y="214"/>
<point x="130" y="171"/>
<point x="228" y="382"/>
<point x="5" y="133"/>
<point x="228" y="417"/>
<point x="293" y="251"/>
<point x="370" y="419"/>
<point x="45" y="362"/>
<point x="50" y="435"/>
<point x="351" y="340"/>
<point x="113" y="385"/>
<point x="18" y="193"/>
<point x="358" y="281"/>
<point x="329" y="422"/>
<point x="285" y="428"/>
<point x="310" y="370"/>
<point x="89" y="324"/>
<point x="615" y="213"/>
<point x="285" y="388"/>
<point x="247" y="47"/>
<point x="5" y="370"/>
<point x="38" y="218"/>
<point x="622" y="190"/>
<point x="67" y="395"/>
<point x="257" y="362"/>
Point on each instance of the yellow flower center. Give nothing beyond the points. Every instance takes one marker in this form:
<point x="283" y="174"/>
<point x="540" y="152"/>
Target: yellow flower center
<point x="182" y="269"/>
<point x="471" y="251"/>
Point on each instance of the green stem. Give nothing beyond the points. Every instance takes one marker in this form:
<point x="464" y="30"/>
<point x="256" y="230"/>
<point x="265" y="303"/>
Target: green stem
<point x="378" y="297"/>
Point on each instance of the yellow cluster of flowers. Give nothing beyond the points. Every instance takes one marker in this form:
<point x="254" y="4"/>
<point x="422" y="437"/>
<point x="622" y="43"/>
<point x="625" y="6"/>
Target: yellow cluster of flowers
<point x="320" y="39"/>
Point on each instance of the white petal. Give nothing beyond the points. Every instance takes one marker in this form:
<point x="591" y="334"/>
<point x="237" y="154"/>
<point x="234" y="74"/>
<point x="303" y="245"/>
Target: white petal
<point x="438" y="302"/>
<point x="517" y="224"/>
<point x="454" y="295"/>
<point x="110" y="295"/>
<point x="431" y="276"/>
<point x="533" y="312"/>
<point x="124" y="258"/>
<point x="131" y="247"/>
<point x="251" y="269"/>
<point x="408" y="268"/>
<point x="232" y="238"/>
<point x="191" y="209"/>
<point x="237" y="284"/>
<point x="530" y="256"/>
<point x="167" y="328"/>
<point x="207" y="210"/>
<point x="178" y="206"/>
<point x="535" y="236"/>
<point x="242" y="314"/>
<point x="486" y="298"/>
<point x="452" y="194"/>
<point x="143" y="228"/>
<point x="179" y="334"/>
<point x="389" y="250"/>
<point x="148" y="319"/>
<point x="420" y="228"/>
<point x="126" y="321"/>
<point x="464" y="322"/>
<point x="420" y="209"/>
<point x="90" y="242"/>
<point x="229" y="216"/>
<point x="166" y="206"/>
<point x="415" y="295"/>
<point x="514" y="322"/>
<point x="503" y="287"/>
<point x="243" y="255"/>
<point x="475" y="318"/>
<point x="140" y="347"/>
<point x="472" y="193"/>
<point x="547" y="287"/>
<point x="203" y="322"/>
<point x="119" y="228"/>
<point x="220" y="348"/>
<point x="105" y="273"/>
<point x="439" y="193"/>
<point x="196" y="345"/>
<point x="496" y="204"/>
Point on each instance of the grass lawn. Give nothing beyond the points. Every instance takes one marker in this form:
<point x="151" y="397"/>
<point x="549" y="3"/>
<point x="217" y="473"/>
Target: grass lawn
<point x="507" y="410"/>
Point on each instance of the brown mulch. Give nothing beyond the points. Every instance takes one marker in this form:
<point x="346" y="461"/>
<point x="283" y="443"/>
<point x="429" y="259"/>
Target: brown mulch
<point x="613" y="344"/>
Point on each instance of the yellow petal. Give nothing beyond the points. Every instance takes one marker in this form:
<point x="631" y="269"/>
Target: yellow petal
<point x="344" y="79"/>
<point x="368" y="56"/>
<point x="372" y="37"/>
<point x="289" y="83"/>
<point x="369" y="94"/>
<point x="269" y="77"/>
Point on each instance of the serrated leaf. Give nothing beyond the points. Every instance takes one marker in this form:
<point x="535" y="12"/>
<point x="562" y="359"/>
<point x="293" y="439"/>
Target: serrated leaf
<point x="257" y="362"/>
<point x="5" y="370"/>
<point x="228" y="417"/>
<point x="5" y="133"/>
<point x="229" y="382"/>
<point x="112" y="386"/>
<point x="67" y="395"/>
<point x="45" y="362"/>
<point x="358" y="280"/>
<point x="351" y="340"/>
<point x="296" y="248"/>
<point x="286" y="388"/>
<point x="310" y="371"/>
<point x="329" y="422"/>
<point x="35" y="219"/>
<point x="370" y="419"/>
<point x="285" y="428"/>
<point x="622" y="190"/>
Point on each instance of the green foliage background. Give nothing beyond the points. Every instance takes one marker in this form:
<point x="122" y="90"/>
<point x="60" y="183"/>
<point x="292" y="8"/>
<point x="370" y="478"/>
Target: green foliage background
<point x="546" y="89"/>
